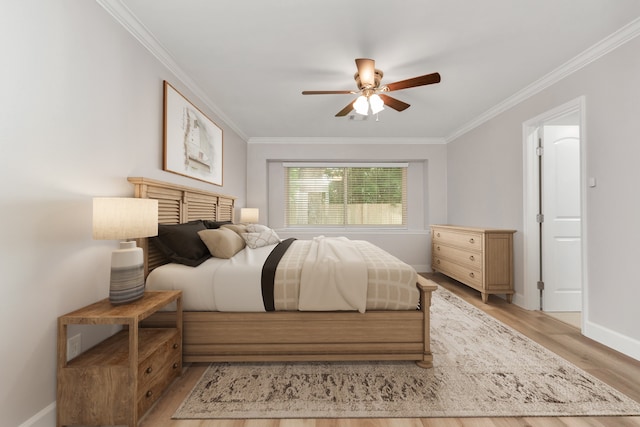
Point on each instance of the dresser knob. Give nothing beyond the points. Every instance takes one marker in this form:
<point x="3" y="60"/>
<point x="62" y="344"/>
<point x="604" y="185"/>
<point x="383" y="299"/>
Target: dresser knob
<point x="149" y="393"/>
<point x="175" y="345"/>
<point x="472" y="258"/>
<point x="438" y="261"/>
<point x="149" y="370"/>
<point x="175" y="365"/>
<point x="471" y="240"/>
<point x="438" y="248"/>
<point x="472" y="275"/>
<point x="438" y="234"/>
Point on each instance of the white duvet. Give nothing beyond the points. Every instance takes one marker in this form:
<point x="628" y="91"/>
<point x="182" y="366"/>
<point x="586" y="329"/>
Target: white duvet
<point x="217" y="284"/>
<point x="323" y="274"/>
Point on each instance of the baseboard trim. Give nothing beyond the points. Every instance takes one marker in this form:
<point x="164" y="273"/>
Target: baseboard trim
<point x="617" y="341"/>
<point x="46" y="417"/>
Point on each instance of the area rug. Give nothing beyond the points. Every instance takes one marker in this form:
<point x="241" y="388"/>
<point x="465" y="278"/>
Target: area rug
<point x="482" y="368"/>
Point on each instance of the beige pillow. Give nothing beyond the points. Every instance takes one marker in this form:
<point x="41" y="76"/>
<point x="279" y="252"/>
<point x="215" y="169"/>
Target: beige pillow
<point x="238" y="228"/>
<point x="222" y="242"/>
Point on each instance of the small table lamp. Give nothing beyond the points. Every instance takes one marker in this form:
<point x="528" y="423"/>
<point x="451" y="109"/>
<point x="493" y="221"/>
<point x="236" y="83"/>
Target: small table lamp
<point x="118" y="218"/>
<point x="249" y="215"/>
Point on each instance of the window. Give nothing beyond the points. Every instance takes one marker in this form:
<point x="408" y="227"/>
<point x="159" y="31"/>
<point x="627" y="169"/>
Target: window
<point x="337" y="195"/>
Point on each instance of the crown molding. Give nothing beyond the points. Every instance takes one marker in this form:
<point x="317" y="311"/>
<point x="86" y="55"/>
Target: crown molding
<point x="127" y="19"/>
<point x="598" y="50"/>
<point x="344" y="140"/>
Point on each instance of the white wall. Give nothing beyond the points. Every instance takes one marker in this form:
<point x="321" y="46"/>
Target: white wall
<point x="485" y="173"/>
<point x="80" y="111"/>
<point x="426" y="186"/>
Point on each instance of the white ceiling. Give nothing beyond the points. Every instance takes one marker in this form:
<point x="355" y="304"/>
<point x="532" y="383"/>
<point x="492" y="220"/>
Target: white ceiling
<point x="250" y="59"/>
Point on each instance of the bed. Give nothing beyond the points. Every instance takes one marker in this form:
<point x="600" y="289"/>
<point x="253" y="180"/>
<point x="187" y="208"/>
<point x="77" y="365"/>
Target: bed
<point x="244" y="336"/>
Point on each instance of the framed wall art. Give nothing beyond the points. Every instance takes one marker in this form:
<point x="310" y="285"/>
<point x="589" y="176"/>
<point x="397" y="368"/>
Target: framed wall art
<point x="192" y="141"/>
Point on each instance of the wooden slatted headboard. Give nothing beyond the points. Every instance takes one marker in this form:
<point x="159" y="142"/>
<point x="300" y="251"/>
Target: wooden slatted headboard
<point x="178" y="204"/>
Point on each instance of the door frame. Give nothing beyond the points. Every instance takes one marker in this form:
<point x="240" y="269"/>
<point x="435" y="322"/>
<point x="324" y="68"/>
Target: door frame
<point x="530" y="203"/>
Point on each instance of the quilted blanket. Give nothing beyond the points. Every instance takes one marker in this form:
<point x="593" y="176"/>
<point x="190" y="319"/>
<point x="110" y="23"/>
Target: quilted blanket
<point x="333" y="276"/>
<point x="390" y="283"/>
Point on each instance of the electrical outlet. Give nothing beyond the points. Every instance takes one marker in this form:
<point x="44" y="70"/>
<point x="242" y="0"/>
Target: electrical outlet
<point x="74" y="346"/>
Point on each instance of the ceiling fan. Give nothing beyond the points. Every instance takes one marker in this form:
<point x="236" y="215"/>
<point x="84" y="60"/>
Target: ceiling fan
<point x="372" y="95"/>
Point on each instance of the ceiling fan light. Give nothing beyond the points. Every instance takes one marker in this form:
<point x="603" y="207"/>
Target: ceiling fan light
<point x="377" y="104"/>
<point x="361" y="105"/>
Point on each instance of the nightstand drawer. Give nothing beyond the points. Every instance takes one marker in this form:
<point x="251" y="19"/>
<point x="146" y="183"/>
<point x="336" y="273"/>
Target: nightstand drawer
<point x="160" y="368"/>
<point x="164" y="354"/>
<point x="154" y="388"/>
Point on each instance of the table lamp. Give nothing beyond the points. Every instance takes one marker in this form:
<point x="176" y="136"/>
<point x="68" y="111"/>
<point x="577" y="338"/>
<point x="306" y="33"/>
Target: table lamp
<point x="120" y="218"/>
<point x="249" y="215"/>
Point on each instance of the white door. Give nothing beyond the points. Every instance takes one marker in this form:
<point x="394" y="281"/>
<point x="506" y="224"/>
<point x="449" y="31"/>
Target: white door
<point x="561" y="227"/>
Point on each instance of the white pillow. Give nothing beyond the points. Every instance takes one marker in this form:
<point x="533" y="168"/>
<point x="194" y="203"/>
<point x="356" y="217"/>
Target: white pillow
<point x="260" y="239"/>
<point x="256" y="228"/>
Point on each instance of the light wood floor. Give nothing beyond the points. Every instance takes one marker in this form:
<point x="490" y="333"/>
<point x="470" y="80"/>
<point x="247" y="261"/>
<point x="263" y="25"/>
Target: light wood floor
<point x="574" y="318"/>
<point x="617" y="370"/>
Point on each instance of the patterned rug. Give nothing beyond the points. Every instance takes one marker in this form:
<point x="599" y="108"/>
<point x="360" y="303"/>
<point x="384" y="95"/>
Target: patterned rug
<point x="482" y="368"/>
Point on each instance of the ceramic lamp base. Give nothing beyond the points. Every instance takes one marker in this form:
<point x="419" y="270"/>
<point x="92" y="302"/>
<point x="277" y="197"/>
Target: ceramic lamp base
<point x="127" y="274"/>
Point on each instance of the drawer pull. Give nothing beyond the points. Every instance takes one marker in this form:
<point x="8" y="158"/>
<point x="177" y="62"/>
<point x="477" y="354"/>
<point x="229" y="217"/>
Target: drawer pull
<point x="472" y="275"/>
<point x="149" y="393"/>
<point x="175" y="345"/>
<point x="438" y="234"/>
<point x="438" y="261"/>
<point x="149" y="370"/>
<point x="175" y="365"/>
<point x="471" y="240"/>
<point x="472" y="258"/>
<point x="437" y="248"/>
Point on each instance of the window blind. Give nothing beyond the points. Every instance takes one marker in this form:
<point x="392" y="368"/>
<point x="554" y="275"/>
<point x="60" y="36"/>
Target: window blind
<point x="331" y="195"/>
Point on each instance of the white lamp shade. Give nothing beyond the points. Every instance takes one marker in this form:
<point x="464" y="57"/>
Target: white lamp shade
<point x="361" y="105"/>
<point x="118" y="218"/>
<point x="249" y="215"/>
<point x="377" y="104"/>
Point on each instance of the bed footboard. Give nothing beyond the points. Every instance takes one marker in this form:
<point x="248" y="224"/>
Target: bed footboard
<point x="308" y="336"/>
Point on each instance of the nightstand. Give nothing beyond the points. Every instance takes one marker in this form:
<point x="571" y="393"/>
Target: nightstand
<point x="117" y="381"/>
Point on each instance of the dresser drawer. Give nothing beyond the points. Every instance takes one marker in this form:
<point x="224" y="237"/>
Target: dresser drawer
<point x="469" y="276"/>
<point x="459" y="256"/>
<point x="481" y="258"/>
<point x="466" y="240"/>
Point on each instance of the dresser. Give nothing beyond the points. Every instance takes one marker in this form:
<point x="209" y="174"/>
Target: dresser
<point x="481" y="258"/>
<point x="117" y="381"/>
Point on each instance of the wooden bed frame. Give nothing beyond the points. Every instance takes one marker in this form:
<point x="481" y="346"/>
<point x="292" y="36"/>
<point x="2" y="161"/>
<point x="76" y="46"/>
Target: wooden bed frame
<point x="281" y="336"/>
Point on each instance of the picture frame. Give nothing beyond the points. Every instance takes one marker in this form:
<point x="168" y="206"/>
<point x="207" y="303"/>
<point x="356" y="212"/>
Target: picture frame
<point x="192" y="142"/>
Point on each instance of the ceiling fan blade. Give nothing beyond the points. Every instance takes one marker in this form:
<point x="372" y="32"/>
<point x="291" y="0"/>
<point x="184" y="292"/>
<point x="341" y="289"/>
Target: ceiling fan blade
<point x="396" y="104"/>
<point x="326" y="92"/>
<point x="346" y="110"/>
<point x="427" y="79"/>
<point x="366" y="71"/>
